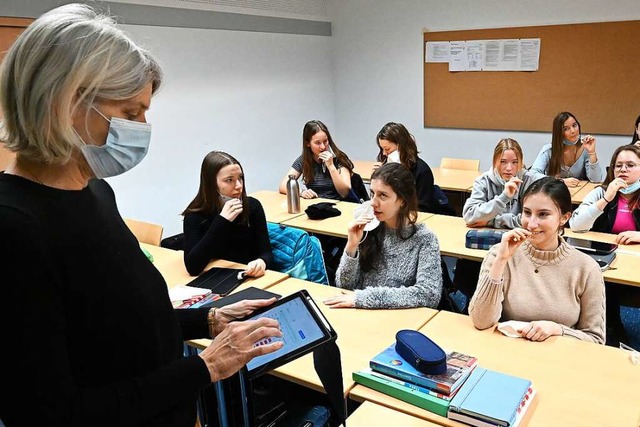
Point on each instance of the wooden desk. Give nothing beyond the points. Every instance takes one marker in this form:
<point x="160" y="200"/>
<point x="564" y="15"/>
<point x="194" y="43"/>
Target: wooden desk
<point x="455" y="179"/>
<point x="338" y="225"/>
<point x="451" y="231"/>
<point x="448" y="179"/>
<point x="625" y="267"/>
<point x="578" y="383"/>
<point x="578" y="195"/>
<point x="275" y="205"/>
<point x="369" y="414"/>
<point x="361" y="333"/>
<point x="170" y="264"/>
<point x="364" y="168"/>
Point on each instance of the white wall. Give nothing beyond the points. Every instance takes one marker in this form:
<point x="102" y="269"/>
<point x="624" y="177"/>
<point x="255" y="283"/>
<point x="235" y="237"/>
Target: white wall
<point x="242" y="92"/>
<point x="378" y="77"/>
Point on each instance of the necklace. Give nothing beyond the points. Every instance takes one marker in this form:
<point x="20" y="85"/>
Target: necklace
<point x="530" y="250"/>
<point x="544" y="264"/>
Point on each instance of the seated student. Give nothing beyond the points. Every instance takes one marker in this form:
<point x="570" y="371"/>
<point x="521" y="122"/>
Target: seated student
<point x="614" y="207"/>
<point x="222" y="222"/>
<point x="397" y="145"/>
<point x="397" y="264"/>
<point x="635" y="139"/>
<point x="570" y="156"/>
<point x="326" y="170"/>
<point x="495" y="199"/>
<point x="533" y="275"/>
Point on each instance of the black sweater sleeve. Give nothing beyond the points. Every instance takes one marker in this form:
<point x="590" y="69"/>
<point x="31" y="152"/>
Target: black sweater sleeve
<point x="217" y="238"/>
<point x="202" y="243"/>
<point x="424" y="185"/>
<point x="258" y="223"/>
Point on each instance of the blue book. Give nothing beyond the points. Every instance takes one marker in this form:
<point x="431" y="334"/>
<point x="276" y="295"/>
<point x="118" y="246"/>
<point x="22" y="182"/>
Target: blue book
<point x="459" y="366"/>
<point x="491" y="398"/>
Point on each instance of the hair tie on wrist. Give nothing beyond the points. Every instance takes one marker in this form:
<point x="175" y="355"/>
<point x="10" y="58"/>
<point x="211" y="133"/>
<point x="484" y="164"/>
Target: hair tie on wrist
<point x="605" y="199"/>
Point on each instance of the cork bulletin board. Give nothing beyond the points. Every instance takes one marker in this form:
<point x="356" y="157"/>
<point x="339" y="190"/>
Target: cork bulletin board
<point x="591" y="70"/>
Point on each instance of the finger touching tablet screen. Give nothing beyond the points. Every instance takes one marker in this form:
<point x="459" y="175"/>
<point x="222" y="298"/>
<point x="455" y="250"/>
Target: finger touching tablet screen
<point x="303" y="327"/>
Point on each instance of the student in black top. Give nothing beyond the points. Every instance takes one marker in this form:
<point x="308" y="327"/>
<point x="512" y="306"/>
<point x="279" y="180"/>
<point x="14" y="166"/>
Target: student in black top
<point x="325" y="169"/>
<point x="222" y="222"/>
<point x="397" y="145"/>
<point x="95" y="340"/>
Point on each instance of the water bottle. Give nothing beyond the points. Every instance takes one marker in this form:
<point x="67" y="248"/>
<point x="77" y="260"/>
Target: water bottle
<point x="293" y="195"/>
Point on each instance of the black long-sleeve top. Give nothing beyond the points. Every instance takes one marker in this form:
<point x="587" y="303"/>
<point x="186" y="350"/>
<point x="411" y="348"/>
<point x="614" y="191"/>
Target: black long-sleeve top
<point x="423" y="177"/>
<point x="208" y="237"/>
<point x="90" y="336"/>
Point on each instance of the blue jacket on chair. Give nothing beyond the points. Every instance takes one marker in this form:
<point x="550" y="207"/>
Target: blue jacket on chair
<point x="297" y="253"/>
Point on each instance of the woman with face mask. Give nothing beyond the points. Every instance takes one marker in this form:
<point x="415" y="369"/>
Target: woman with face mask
<point x="222" y="222"/>
<point x="108" y="349"/>
<point x="495" y="198"/>
<point x="397" y="145"/>
<point x="571" y="156"/>
<point x="614" y="207"/>
<point x="535" y="277"/>
<point x="396" y="264"/>
<point x="325" y="169"/>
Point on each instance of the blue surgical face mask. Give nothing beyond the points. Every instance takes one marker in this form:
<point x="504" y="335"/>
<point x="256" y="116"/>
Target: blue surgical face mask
<point x="631" y="188"/>
<point x="567" y="142"/>
<point x="127" y="144"/>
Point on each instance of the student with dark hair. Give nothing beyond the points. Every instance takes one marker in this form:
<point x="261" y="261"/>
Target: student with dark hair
<point x="635" y="139"/>
<point x="495" y="200"/>
<point x="325" y="169"/>
<point x="397" y="264"/>
<point x="397" y="145"/>
<point x="222" y="222"/>
<point x="534" y="276"/>
<point x="614" y="207"/>
<point x="571" y="156"/>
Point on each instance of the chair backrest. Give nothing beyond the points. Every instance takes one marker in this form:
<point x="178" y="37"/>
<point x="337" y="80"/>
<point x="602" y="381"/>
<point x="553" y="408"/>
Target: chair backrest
<point x="358" y="190"/>
<point x="145" y="232"/>
<point x="464" y="164"/>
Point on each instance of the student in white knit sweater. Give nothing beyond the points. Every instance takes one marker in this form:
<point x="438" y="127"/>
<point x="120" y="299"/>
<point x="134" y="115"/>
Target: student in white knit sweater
<point x="533" y="275"/>
<point x="397" y="264"/>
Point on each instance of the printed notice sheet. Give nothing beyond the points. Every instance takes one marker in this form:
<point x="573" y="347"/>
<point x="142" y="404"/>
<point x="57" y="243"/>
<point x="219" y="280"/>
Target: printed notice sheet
<point x="486" y="55"/>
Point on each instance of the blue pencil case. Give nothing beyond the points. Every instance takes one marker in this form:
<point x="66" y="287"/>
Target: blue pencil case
<point x="483" y="239"/>
<point x="420" y="352"/>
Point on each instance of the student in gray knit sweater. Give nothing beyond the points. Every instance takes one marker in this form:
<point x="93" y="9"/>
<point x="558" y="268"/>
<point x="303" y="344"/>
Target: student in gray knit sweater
<point x="397" y="264"/>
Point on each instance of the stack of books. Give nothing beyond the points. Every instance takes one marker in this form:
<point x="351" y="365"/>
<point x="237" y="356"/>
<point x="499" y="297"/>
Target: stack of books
<point x="489" y="398"/>
<point x="190" y="296"/>
<point x="391" y="374"/>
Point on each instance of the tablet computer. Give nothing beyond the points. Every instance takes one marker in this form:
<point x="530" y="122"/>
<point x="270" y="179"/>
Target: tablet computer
<point x="303" y="327"/>
<point x="591" y="246"/>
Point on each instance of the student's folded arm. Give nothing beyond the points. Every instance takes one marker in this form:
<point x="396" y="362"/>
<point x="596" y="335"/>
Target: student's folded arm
<point x="541" y="162"/>
<point x="201" y="246"/>
<point x="586" y="214"/>
<point x="341" y="178"/>
<point x="508" y="220"/>
<point x="258" y="222"/>
<point x="348" y="272"/>
<point x="595" y="173"/>
<point x="426" y="291"/>
<point x="591" y="323"/>
<point x="479" y="208"/>
<point x="485" y="307"/>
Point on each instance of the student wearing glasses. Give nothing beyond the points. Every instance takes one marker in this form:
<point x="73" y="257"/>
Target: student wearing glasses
<point x="571" y="156"/>
<point x="614" y="207"/>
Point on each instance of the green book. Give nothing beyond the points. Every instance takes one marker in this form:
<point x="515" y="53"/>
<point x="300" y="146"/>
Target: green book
<point x="406" y="394"/>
